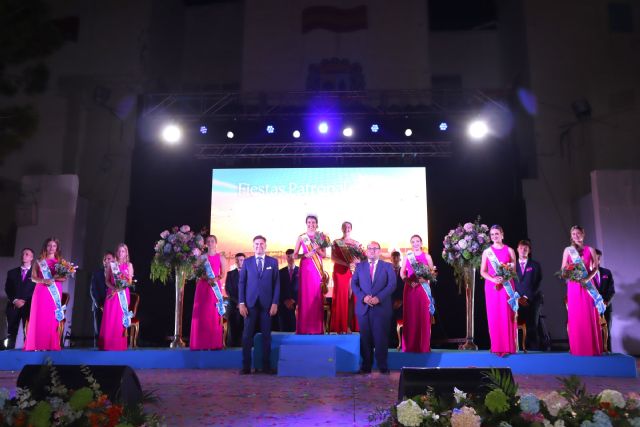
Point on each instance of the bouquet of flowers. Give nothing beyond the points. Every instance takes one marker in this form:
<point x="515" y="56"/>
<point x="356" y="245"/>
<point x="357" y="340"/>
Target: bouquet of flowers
<point x="177" y="251"/>
<point x="64" y="269"/>
<point x="59" y="406"/>
<point x="501" y="405"/>
<point x="322" y="240"/>
<point x="573" y="272"/>
<point x="123" y="281"/>
<point x="423" y="271"/>
<point x="506" y="270"/>
<point x="463" y="247"/>
<point x="356" y="252"/>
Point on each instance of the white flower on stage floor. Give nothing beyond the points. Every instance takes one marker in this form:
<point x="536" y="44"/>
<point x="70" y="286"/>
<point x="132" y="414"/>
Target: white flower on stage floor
<point x="613" y="397"/>
<point x="409" y="413"/>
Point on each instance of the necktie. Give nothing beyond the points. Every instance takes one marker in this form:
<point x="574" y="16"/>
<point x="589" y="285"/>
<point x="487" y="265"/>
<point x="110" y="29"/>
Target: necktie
<point x="371" y="269"/>
<point x="260" y="265"/>
<point x="24" y="273"/>
<point x="290" y="274"/>
<point x="522" y="265"/>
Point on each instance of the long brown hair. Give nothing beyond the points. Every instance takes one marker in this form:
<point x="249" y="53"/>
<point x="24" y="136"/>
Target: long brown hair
<point x="126" y="248"/>
<point x="43" y="252"/>
<point x="580" y="229"/>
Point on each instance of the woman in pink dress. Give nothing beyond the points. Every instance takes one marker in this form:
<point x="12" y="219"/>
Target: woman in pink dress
<point x="310" y="304"/>
<point x="343" y="319"/>
<point x="206" y="322"/>
<point x="416" y="329"/>
<point x="583" y="319"/>
<point x="503" y="330"/>
<point x="42" y="331"/>
<point x="113" y="334"/>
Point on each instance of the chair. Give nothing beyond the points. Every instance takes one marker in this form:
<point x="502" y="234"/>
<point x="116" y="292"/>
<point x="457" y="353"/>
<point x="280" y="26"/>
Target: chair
<point x="64" y="300"/>
<point x="134" y="329"/>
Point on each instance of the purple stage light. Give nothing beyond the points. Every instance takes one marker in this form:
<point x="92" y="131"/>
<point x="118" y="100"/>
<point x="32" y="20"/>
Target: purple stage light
<point x="323" y="128"/>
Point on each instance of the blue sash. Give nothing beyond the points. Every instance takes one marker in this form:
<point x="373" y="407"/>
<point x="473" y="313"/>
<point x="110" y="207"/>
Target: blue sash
<point x="598" y="302"/>
<point x="425" y="286"/>
<point x="122" y="298"/>
<point x="53" y="290"/>
<point x="508" y="286"/>
<point x="216" y="289"/>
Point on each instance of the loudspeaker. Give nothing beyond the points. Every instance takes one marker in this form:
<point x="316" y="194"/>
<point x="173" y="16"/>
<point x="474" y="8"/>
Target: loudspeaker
<point x="118" y="382"/>
<point x="414" y="381"/>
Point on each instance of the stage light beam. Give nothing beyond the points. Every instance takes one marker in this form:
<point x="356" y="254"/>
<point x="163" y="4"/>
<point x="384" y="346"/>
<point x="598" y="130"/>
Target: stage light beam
<point x="270" y="129"/>
<point x="296" y="134"/>
<point x="408" y="132"/>
<point x="172" y="134"/>
<point x="375" y="128"/>
<point x="478" y="129"/>
<point x="323" y="128"/>
<point x="230" y="135"/>
<point x="348" y="132"/>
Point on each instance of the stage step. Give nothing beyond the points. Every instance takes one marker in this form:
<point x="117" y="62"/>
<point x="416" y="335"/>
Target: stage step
<point x="312" y="361"/>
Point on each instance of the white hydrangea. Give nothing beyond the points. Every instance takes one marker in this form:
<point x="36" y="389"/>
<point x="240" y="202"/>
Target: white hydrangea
<point x="613" y="397"/>
<point x="555" y="402"/>
<point x="409" y="413"/>
<point x="558" y="423"/>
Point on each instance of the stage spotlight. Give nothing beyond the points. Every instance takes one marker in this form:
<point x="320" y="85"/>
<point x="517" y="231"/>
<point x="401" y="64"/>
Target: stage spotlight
<point x="477" y="129"/>
<point x="408" y="132"/>
<point x="271" y="129"/>
<point x="203" y="130"/>
<point x="348" y="132"/>
<point x="375" y="128"/>
<point x="230" y="135"/>
<point x="296" y="134"/>
<point x="323" y="128"/>
<point x="171" y="134"/>
<point x="443" y="126"/>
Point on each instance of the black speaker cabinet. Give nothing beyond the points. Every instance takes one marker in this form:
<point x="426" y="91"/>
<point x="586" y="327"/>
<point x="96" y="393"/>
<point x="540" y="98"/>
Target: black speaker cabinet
<point x="118" y="382"/>
<point x="414" y="381"/>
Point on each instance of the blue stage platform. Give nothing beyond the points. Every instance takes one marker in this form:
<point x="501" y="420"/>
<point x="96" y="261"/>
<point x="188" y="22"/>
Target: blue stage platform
<point x="347" y="358"/>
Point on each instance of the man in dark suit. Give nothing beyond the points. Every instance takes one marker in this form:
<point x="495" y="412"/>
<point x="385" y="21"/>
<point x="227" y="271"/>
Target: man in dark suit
<point x="396" y="299"/>
<point x="98" y="292"/>
<point x="19" y="289"/>
<point x="373" y="283"/>
<point x="258" y="296"/>
<point x="604" y="281"/>
<point x="288" y="294"/>
<point x="236" y="321"/>
<point x="528" y="286"/>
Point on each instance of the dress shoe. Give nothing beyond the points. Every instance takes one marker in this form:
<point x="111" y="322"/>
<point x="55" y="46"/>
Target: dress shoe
<point x="245" y="371"/>
<point x="364" y="371"/>
<point x="268" y="371"/>
<point x="384" y="371"/>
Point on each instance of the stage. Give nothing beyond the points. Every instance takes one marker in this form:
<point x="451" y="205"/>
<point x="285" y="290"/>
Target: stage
<point x="347" y="357"/>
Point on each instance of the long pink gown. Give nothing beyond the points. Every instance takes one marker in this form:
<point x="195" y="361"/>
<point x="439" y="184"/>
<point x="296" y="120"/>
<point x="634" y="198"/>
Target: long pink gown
<point x="341" y="304"/>
<point x="416" y="329"/>
<point x="503" y="328"/>
<point x="206" y="323"/>
<point x="310" y="309"/>
<point x="42" y="333"/>
<point x="113" y="336"/>
<point x="583" y="320"/>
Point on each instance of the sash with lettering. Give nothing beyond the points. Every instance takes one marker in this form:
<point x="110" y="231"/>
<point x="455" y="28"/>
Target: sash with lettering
<point x="122" y="298"/>
<point x="53" y="290"/>
<point x="508" y="286"/>
<point x="317" y="262"/>
<point x="598" y="302"/>
<point x="425" y="285"/>
<point x="214" y="285"/>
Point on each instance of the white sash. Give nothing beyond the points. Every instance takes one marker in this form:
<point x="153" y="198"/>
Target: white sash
<point x="598" y="302"/>
<point x="216" y="289"/>
<point x="122" y="298"/>
<point x="426" y="287"/>
<point x="508" y="286"/>
<point x="53" y="290"/>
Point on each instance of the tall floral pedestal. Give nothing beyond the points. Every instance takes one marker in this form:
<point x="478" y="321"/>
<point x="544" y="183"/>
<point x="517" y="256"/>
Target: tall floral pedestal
<point x="177" y="341"/>
<point x="469" y="278"/>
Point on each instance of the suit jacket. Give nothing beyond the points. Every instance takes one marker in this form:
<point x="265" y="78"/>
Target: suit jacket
<point x="98" y="288"/>
<point x="606" y="287"/>
<point x="253" y="286"/>
<point x="16" y="288"/>
<point x="382" y="285"/>
<point x="528" y="283"/>
<point x="231" y="285"/>
<point x="288" y="287"/>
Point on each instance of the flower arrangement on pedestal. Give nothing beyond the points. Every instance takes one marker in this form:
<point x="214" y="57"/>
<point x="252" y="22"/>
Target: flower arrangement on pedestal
<point x="176" y="253"/>
<point x="502" y="406"/>
<point x="463" y="248"/>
